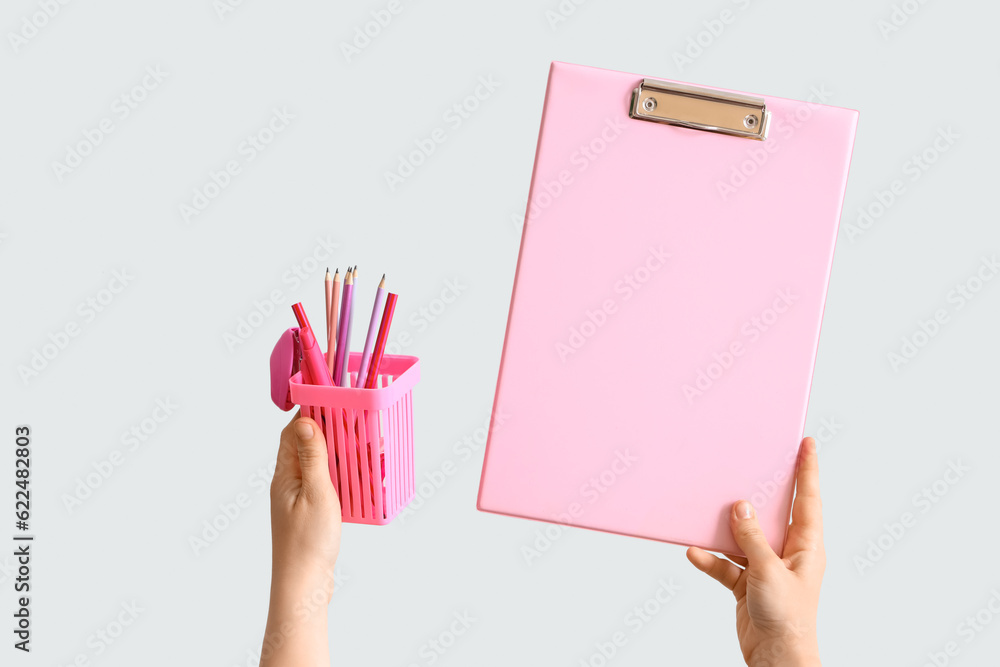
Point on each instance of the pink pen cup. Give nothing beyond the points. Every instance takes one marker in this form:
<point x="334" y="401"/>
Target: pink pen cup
<point x="369" y="437"/>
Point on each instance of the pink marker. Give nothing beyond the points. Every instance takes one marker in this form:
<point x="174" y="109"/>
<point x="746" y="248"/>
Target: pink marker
<point x="312" y="355"/>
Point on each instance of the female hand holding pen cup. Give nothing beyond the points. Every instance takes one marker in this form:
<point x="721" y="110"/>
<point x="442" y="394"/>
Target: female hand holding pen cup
<point x="306" y="514"/>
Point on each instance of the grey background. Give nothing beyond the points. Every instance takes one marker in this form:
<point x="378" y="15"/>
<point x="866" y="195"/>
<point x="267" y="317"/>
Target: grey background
<point x="162" y="337"/>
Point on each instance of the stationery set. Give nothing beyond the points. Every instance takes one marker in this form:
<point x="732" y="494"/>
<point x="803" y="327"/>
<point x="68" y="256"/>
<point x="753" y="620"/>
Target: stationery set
<point x="362" y="400"/>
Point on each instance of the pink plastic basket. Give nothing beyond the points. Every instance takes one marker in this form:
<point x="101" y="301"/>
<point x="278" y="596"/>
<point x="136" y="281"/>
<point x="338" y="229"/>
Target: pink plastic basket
<point x="369" y="437"/>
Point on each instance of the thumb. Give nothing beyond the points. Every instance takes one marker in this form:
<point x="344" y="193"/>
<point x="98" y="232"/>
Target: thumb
<point x="749" y="536"/>
<point x="313" y="458"/>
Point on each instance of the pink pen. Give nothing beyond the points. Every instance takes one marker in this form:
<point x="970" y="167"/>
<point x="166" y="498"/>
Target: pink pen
<point x="312" y="355"/>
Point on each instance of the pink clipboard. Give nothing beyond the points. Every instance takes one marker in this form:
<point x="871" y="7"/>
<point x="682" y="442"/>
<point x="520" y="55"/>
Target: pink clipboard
<point x="666" y="308"/>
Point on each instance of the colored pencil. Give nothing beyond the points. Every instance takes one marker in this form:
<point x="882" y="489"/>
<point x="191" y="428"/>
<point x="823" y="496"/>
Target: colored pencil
<point x="331" y="332"/>
<point x="366" y="354"/>
<point x="328" y="293"/>
<point x="344" y="333"/>
<point x="350" y="327"/>
<point x="383" y="335"/>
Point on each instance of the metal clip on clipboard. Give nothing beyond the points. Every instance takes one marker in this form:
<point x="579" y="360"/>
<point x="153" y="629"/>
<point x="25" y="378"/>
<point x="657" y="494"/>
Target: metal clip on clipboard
<point x="700" y="109"/>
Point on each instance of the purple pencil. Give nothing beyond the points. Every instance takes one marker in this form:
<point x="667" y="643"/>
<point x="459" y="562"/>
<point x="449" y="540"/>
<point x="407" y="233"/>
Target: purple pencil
<point x="344" y="334"/>
<point x="366" y="354"/>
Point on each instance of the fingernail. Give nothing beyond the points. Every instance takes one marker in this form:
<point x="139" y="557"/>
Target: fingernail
<point x="304" y="430"/>
<point x="743" y="510"/>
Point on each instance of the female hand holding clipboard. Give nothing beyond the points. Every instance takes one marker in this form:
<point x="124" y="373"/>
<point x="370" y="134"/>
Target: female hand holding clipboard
<point x="776" y="598"/>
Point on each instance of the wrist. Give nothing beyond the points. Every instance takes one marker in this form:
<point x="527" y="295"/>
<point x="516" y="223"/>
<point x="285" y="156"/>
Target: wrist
<point x="297" y="590"/>
<point x="797" y="652"/>
<point x="297" y="625"/>
<point x="303" y="573"/>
